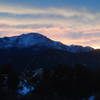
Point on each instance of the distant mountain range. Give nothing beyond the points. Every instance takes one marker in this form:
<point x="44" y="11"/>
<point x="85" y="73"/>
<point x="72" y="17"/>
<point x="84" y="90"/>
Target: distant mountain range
<point x="36" y="39"/>
<point x="36" y="50"/>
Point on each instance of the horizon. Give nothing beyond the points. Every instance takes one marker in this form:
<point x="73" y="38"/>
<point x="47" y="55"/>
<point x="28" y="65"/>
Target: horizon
<point x="68" y="21"/>
<point x="50" y="39"/>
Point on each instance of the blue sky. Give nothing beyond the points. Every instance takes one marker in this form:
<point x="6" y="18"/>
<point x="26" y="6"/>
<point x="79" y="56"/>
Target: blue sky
<point x="68" y="21"/>
<point x="91" y="4"/>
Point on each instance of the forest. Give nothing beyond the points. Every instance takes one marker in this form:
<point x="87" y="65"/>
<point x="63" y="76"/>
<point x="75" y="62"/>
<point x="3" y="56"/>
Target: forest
<point x="62" y="82"/>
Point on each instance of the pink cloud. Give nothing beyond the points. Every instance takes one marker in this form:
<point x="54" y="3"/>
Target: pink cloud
<point x="60" y="34"/>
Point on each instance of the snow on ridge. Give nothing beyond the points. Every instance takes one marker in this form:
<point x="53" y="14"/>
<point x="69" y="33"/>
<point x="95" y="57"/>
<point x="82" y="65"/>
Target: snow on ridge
<point x="31" y="39"/>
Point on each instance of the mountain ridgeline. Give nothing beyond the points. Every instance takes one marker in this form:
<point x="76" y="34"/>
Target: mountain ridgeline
<point x="36" y="50"/>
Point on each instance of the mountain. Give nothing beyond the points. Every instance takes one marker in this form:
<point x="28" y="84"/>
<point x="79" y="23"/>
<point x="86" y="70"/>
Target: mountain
<point x="36" y="39"/>
<point x="78" y="49"/>
<point x="24" y="41"/>
<point x="42" y="63"/>
<point x="35" y="50"/>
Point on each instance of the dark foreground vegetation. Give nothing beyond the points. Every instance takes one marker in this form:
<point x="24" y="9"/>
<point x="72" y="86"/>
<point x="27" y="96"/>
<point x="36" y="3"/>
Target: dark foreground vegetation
<point x="60" y="83"/>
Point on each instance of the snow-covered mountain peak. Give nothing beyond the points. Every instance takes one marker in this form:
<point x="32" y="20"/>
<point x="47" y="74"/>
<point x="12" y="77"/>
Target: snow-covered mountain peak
<point x="24" y="40"/>
<point x="36" y="39"/>
<point x="32" y="39"/>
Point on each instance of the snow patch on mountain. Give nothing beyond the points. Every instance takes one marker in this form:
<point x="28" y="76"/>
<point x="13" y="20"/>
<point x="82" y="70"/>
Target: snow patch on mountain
<point x="75" y="49"/>
<point x="36" y="39"/>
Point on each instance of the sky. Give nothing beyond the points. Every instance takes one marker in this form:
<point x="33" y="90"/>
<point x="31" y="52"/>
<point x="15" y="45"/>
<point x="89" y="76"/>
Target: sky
<point x="68" y="21"/>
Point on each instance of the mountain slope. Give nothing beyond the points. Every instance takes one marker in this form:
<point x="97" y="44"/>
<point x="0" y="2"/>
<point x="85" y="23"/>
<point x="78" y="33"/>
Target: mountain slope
<point x="25" y="40"/>
<point x="35" y="57"/>
<point x="35" y="39"/>
<point x="35" y="50"/>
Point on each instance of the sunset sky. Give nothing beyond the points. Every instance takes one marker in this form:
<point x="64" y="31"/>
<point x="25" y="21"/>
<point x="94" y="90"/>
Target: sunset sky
<point x="69" y="21"/>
